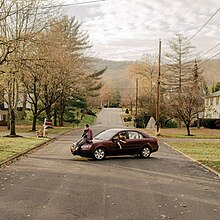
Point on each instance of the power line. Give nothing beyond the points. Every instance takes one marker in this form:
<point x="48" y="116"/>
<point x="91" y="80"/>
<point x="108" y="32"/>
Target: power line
<point x="76" y="3"/>
<point x="203" y="25"/>
<point x="61" y="5"/>
<point x="185" y="13"/>
<point x="208" y="50"/>
<point x="209" y="59"/>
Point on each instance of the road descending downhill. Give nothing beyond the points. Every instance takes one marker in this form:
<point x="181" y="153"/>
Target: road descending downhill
<point x="51" y="183"/>
<point x="110" y="117"/>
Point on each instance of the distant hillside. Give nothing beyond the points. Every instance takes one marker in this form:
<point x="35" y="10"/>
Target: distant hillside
<point x="114" y="76"/>
<point x="212" y="72"/>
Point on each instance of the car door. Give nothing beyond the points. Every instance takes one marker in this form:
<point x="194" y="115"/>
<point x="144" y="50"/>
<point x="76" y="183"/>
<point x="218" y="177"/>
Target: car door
<point x="134" y="142"/>
<point x="114" y="148"/>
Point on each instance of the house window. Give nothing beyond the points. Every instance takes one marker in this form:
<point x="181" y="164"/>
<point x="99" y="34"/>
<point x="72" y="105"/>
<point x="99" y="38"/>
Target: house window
<point x="211" y="101"/>
<point x="217" y="101"/>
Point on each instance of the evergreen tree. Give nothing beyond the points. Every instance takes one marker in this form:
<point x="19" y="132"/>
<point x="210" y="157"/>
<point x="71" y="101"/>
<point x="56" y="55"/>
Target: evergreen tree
<point x="178" y="64"/>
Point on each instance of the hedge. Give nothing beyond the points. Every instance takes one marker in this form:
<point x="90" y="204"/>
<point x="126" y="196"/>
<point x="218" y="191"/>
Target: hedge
<point x="211" y="123"/>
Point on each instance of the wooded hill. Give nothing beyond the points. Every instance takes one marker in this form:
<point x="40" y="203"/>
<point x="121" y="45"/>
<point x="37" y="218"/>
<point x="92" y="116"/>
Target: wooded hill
<point x="115" y="78"/>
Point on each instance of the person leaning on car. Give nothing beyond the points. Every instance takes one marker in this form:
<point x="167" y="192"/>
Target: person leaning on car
<point x="86" y="137"/>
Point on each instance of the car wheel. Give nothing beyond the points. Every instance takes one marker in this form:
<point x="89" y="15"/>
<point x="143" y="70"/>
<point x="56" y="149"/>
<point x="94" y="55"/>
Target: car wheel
<point x="145" y="152"/>
<point x="99" y="154"/>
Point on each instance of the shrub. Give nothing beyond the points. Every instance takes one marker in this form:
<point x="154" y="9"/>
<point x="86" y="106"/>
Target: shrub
<point x="129" y="118"/>
<point x="171" y="124"/>
<point x="211" y="123"/>
<point x="139" y="123"/>
<point x="195" y="123"/>
<point x="142" y="120"/>
<point x="90" y="112"/>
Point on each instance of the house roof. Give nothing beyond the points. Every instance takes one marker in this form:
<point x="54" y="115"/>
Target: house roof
<point x="215" y="94"/>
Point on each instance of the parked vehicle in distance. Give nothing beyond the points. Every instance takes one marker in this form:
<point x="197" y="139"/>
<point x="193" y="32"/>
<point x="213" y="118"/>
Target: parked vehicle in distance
<point x="113" y="142"/>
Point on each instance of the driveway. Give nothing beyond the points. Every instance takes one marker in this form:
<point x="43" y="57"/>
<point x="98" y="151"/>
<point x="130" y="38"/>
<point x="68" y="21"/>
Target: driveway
<point x="52" y="184"/>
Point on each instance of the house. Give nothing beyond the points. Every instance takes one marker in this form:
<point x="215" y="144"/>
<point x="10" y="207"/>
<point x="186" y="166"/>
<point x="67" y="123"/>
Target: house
<point x="3" y="117"/>
<point x="212" y="106"/>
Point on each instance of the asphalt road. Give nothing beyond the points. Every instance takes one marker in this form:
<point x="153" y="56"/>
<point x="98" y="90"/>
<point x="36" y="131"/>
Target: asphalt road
<point x="52" y="184"/>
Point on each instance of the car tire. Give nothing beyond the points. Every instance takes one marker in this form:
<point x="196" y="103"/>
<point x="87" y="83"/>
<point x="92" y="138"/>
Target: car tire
<point x="145" y="152"/>
<point x="99" y="153"/>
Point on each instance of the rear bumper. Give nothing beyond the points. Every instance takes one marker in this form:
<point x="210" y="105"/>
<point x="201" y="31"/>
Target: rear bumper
<point x="154" y="147"/>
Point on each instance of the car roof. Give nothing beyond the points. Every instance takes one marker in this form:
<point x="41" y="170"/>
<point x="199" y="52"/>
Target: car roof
<point x="121" y="129"/>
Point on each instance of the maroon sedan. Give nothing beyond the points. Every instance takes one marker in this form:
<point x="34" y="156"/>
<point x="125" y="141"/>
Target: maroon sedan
<point x="116" y="141"/>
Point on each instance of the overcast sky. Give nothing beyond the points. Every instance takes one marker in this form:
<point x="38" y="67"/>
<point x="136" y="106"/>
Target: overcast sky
<point x="127" y="29"/>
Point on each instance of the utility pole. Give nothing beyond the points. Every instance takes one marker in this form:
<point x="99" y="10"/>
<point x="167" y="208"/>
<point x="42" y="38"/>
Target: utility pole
<point x="136" y="99"/>
<point x="158" y="93"/>
<point x="136" y="103"/>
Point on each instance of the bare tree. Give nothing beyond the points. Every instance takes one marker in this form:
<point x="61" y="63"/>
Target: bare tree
<point x="187" y="105"/>
<point x="59" y="70"/>
<point x="146" y="71"/>
<point x="21" y="21"/>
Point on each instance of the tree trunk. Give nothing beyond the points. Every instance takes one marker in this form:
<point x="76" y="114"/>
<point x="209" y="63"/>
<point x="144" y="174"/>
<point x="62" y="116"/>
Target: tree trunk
<point x="55" y="116"/>
<point x="48" y="113"/>
<point x="8" y="120"/>
<point x="34" y="123"/>
<point x="61" y="120"/>
<point x="12" y="123"/>
<point x="188" y="130"/>
<point x="23" y="113"/>
<point x="62" y="110"/>
<point x="198" y="121"/>
<point x="35" y="115"/>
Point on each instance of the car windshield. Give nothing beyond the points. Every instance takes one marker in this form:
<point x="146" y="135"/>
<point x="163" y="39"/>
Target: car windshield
<point x="104" y="135"/>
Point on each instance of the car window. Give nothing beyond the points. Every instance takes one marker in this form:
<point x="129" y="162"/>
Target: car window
<point x="120" y="135"/>
<point x="134" y="135"/>
<point x="104" y="135"/>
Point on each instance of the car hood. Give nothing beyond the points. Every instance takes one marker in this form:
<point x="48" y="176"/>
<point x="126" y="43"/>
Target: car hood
<point x="97" y="141"/>
<point x="92" y="142"/>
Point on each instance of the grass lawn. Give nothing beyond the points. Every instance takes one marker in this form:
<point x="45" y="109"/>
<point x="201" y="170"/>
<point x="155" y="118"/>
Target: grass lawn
<point x="27" y="129"/>
<point x="207" y="153"/>
<point x="201" y="133"/>
<point x="10" y="147"/>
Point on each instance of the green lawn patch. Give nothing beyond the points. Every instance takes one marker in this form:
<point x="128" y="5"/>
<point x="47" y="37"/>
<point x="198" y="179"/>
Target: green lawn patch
<point x="10" y="147"/>
<point x="193" y="136"/>
<point x="59" y="130"/>
<point x="202" y="133"/>
<point x="87" y="119"/>
<point x="207" y="153"/>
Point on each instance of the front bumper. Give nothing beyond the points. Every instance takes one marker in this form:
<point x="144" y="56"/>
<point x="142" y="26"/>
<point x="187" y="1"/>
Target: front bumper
<point x="73" y="150"/>
<point x="81" y="152"/>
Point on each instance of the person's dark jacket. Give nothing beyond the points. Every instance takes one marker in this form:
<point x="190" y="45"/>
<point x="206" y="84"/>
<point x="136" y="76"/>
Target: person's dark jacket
<point x="88" y="135"/>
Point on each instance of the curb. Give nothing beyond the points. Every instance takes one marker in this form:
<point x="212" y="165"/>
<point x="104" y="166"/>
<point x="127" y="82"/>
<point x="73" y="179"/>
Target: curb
<point x="37" y="146"/>
<point x="19" y="155"/>
<point x="190" y="158"/>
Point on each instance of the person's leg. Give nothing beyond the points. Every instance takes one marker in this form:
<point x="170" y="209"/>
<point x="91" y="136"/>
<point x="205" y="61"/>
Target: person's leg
<point x="80" y="143"/>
